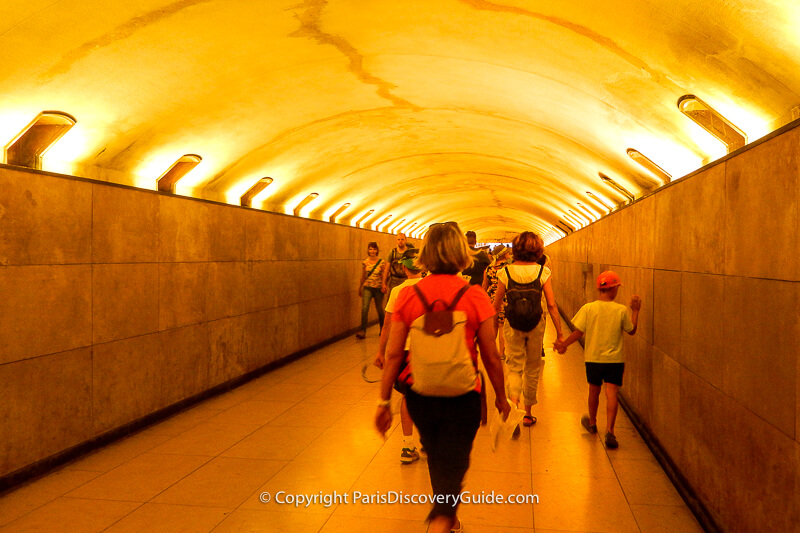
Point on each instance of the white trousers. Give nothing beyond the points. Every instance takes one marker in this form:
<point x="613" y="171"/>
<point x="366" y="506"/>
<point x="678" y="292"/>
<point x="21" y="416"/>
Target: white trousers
<point x="524" y="361"/>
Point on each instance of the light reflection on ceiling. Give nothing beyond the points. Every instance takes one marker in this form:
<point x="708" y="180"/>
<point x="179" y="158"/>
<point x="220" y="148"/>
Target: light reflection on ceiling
<point x="498" y="115"/>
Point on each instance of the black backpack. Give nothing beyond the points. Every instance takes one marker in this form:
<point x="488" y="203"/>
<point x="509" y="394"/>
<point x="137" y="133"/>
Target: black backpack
<point x="524" y="303"/>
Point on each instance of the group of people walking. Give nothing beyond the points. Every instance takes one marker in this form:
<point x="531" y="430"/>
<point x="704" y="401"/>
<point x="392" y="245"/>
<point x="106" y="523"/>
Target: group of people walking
<point x="440" y="325"/>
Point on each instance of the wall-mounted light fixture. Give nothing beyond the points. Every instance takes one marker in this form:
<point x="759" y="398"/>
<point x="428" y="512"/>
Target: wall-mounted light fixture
<point x="338" y="212"/>
<point x="598" y="200"/>
<point x="580" y="216"/>
<point x="711" y="121"/>
<point x="558" y="231"/>
<point x="576" y="222"/>
<point x="365" y="215"/>
<point x="377" y="226"/>
<point x="304" y="202"/>
<point x="30" y="145"/>
<point x="247" y="198"/>
<point x="181" y="167"/>
<point x="594" y="216"/>
<point x="407" y="230"/>
<point x="616" y="186"/>
<point x="565" y="227"/>
<point x="397" y="226"/>
<point x="645" y="161"/>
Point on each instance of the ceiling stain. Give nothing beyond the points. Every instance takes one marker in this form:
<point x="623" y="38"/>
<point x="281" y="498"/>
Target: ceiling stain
<point x="119" y="33"/>
<point x="310" y="27"/>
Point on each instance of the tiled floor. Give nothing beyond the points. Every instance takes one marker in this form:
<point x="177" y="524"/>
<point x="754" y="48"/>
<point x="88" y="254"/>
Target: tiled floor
<point x="307" y="429"/>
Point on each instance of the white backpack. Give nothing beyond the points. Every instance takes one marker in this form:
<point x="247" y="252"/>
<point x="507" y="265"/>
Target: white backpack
<point x="441" y="363"/>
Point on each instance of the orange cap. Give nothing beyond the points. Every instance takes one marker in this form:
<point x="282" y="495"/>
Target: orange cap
<point x="608" y="279"/>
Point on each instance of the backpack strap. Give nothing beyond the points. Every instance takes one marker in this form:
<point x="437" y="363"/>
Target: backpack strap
<point x="541" y="269"/>
<point x="429" y="307"/>
<point x="374" y="267"/>
<point x="510" y="280"/>
<point x="459" y="294"/>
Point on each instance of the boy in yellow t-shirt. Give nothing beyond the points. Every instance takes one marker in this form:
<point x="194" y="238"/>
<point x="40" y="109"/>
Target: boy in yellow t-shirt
<point x="603" y="321"/>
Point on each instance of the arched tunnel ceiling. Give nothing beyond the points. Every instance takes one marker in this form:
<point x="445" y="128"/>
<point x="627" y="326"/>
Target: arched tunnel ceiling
<point x="498" y="115"/>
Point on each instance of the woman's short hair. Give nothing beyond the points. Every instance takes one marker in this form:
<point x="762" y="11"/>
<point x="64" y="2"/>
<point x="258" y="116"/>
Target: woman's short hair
<point x="373" y="244"/>
<point x="444" y="250"/>
<point x="527" y="247"/>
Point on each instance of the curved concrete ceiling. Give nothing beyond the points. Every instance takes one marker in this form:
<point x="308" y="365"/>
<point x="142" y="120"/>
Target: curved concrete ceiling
<point x="498" y="115"/>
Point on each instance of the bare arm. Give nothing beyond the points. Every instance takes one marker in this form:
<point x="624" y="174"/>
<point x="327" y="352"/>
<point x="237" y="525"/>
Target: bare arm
<point x="561" y="346"/>
<point x="391" y="369"/>
<point x="494" y="368"/>
<point x="386" y="271"/>
<point x="387" y="327"/>
<point x="636" y="305"/>
<point x="552" y="307"/>
<point x="363" y="279"/>
<point x="498" y="303"/>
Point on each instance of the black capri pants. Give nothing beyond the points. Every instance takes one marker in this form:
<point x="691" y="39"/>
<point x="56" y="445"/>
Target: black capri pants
<point x="447" y="429"/>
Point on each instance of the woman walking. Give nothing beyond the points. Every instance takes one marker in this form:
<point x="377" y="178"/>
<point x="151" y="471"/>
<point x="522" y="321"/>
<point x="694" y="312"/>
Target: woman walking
<point x="446" y="410"/>
<point x="524" y="348"/>
<point x="371" y="287"/>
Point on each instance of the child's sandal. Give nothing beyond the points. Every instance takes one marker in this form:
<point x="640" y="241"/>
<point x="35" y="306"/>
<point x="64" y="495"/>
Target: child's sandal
<point x="528" y="420"/>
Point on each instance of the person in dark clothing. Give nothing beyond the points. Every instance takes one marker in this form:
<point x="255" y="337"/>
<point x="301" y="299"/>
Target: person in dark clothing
<point x="480" y="260"/>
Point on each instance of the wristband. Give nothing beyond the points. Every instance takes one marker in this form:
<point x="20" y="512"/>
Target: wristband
<point x="384" y="403"/>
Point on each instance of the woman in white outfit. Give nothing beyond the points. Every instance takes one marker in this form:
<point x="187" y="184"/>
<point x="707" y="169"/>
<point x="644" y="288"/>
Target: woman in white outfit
<point x="524" y="349"/>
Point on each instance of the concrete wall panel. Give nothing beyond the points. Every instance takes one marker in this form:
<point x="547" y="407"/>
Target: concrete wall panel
<point x="183" y="230"/>
<point x="702" y="349"/>
<point x="669" y="221"/>
<point x="666" y="420"/>
<point x="184" y="361"/>
<point x="226" y="293"/>
<point x="126" y="381"/>
<point x="44" y="309"/>
<point x="124" y="225"/>
<point x="261" y="238"/>
<point x="761" y="197"/>
<point x="124" y="301"/>
<point x="227" y="233"/>
<point x="760" y="343"/>
<point x="46" y="407"/>
<point x="667" y="313"/>
<point x="44" y="221"/>
<point x="228" y="349"/>
<point x="702" y="237"/>
<point x="182" y="294"/>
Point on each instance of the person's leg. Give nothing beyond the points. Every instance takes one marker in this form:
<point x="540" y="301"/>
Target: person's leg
<point x="533" y="366"/>
<point x="409" y="453"/>
<point x="366" y="296"/>
<point x="447" y="428"/>
<point x="515" y="360"/>
<point x="612" y="405"/>
<point x="378" y="295"/>
<point x="594" y="403"/>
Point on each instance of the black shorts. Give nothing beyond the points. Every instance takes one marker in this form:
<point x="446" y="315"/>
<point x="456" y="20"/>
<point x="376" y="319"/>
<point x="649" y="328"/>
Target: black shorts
<point x="597" y="373"/>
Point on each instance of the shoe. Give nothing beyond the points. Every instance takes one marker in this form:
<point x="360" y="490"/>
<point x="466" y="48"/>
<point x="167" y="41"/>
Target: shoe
<point x="361" y="335"/>
<point x="591" y="428"/>
<point x="611" y="441"/>
<point x="528" y="420"/>
<point x="458" y="528"/>
<point x="409" y="455"/>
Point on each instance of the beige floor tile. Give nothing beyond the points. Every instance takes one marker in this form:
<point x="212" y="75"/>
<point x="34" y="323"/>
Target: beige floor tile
<point x="286" y="392"/>
<point x="341" y="394"/>
<point x="140" y="479"/>
<point x="510" y="456"/>
<point x="251" y="412"/>
<point x="349" y="524"/>
<point x="222" y="482"/>
<point x="28" y="497"/>
<point x="381" y="489"/>
<point x="259" y="521"/>
<point x="279" y="443"/>
<point x="181" y="422"/>
<point x="645" y="483"/>
<point x="114" y="455"/>
<point x="631" y="445"/>
<point x="665" y="519"/>
<point x="172" y="518"/>
<point x="573" y="455"/>
<point x="309" y="414"/>
<point x="71" y="515"/>
<point x="575" y="503"/>
<point x="231" y="398"/>
<point x="480" y="486"/>
<point x="207" y="438"/>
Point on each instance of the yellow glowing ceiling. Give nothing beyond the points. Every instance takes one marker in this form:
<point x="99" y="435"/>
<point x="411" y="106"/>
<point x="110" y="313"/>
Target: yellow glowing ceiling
<point x="498" y="115"/>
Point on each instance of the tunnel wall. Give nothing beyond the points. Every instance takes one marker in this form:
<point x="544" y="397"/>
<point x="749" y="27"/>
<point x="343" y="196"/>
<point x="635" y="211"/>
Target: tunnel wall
<point x="117" y="302"/>
<point x="714" y="370"/>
